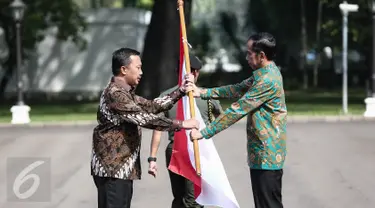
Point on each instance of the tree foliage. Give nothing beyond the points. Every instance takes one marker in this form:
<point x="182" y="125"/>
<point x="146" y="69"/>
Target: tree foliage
<point x="283" y="20"/>
<point x="40" y="15"/>
<point x="144" y="4"/>
<point x="359" y="25"/>
<point x="285" y="24"/>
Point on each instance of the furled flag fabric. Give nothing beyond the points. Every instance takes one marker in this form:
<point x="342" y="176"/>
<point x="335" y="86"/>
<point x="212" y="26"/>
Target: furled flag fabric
<point x="212" y="188"/>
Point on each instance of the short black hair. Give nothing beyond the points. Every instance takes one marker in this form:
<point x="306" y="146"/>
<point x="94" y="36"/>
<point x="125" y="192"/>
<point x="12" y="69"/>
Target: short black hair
<point x="195" y="63"/>
<point x="121" y="57"/>
<point x="264" y="42"/>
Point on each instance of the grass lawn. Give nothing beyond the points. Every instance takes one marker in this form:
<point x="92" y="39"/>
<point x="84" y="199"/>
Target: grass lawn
<point x="317" y="102"/>
<point x="312" y="102"/>
<point x="54" y="112"/>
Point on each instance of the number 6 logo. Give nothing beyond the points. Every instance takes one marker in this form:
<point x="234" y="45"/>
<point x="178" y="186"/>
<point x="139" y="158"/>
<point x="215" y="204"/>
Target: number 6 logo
<point x="22" y="177"/>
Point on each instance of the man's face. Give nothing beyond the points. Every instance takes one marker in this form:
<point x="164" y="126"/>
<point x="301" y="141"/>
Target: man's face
<point x="253" y="58"/>
<point x="133" y="72"/>
<point x="195" y="72"/>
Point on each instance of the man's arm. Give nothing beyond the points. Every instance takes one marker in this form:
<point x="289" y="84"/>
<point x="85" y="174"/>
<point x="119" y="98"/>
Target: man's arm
<point x="255" y="97"/>
<point x="159" y="104"/>
<point x="156" y="135"/>
<point x="155" y="142"/>
<point x="130" y="112"/>
<point x="154" y="147"/>
<point x="228" y="91"/>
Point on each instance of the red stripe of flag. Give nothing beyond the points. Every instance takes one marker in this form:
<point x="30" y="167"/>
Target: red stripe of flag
<point x="180" y="161"/>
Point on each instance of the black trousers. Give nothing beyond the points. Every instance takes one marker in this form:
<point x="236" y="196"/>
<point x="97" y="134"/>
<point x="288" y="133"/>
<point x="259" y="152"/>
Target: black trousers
<point x="266" y="185"/>
<point x="182" y="189"/>
<point x="113" y="192"/>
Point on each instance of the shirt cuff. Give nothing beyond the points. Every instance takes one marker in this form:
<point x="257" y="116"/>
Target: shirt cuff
<point x="176" y="125"/>
<point x="205" y="93"/>
<point x="176" y="95"/>
<point x="205" y="134"/>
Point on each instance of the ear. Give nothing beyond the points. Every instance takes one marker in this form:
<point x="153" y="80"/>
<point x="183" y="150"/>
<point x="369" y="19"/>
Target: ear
<point x="123" y="70"/>
<point x="262" y="55"/>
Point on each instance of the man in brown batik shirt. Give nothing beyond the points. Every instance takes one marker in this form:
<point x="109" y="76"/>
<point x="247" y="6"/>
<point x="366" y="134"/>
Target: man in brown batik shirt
<point x="115" y="161"/>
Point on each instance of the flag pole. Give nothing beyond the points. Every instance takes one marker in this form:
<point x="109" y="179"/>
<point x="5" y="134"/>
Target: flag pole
<point x="187" y="64"/>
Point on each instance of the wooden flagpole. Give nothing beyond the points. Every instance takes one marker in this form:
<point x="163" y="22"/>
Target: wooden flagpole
<point x="190" y="94"/>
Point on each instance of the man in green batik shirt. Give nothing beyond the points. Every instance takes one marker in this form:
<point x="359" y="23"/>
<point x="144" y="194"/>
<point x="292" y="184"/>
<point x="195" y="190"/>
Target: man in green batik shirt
<point x="262" y="98"/>
<point x="182" y="188"/>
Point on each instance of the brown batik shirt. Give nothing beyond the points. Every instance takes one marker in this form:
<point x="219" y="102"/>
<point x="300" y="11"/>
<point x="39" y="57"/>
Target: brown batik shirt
<point x="117" y="137"/>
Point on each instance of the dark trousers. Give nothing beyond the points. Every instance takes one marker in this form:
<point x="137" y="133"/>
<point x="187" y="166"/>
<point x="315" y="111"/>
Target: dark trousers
<point x="266" y="185"/>
<point x="113" y="192"/>
<point x="182" y="189"/>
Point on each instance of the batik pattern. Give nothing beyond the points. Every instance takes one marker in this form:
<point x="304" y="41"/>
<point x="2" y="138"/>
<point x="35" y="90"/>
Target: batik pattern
<point x="264" y="103"/>
<point x="229" y="91"/>
<point x="117" y="137"/>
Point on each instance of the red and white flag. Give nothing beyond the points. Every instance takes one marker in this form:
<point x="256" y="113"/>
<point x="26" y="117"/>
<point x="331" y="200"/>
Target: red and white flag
<point x="212" y="188"/>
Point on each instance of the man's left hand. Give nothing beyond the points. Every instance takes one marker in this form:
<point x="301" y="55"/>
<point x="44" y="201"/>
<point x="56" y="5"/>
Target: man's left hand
<point x="153" y="169"/>
<point x="195" y="135"/>
<point x="187" y="84"/>
<point x="189" y="77"/>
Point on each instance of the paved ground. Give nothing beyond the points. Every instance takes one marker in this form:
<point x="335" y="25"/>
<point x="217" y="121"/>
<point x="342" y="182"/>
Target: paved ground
<point x="329" y="165"/>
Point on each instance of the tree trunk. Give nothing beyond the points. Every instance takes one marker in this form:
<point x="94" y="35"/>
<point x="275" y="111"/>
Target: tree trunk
<point x="5" y="80"/>
<point x="304" y="45"/>
<point x="161" y="49"/>
<point x="10" y="64"/>
<point x="318" y="49"/>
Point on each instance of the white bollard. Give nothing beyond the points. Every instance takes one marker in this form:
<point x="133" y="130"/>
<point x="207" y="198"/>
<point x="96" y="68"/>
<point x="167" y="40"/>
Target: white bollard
<point x="20" y="114"/>
<point x="370" y="107"/>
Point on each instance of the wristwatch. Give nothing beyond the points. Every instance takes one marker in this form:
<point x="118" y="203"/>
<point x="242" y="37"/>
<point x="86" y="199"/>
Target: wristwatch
<point x="151" y="159"/>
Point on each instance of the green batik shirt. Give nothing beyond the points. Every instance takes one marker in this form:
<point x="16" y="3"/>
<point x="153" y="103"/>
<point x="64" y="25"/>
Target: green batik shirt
<point x="262" y="98"/>
<point x="203" y="107"/>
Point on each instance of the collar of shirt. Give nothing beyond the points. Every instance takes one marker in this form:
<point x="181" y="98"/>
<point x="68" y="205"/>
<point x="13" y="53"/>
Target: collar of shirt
<point x="262" y="71"/>
<point x="117" y="81"/>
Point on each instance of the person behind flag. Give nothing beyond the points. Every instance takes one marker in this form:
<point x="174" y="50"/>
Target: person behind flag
<point x="262" y="98"/>
<point x="116" y="141"/>
<point x="182" y="188"/>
